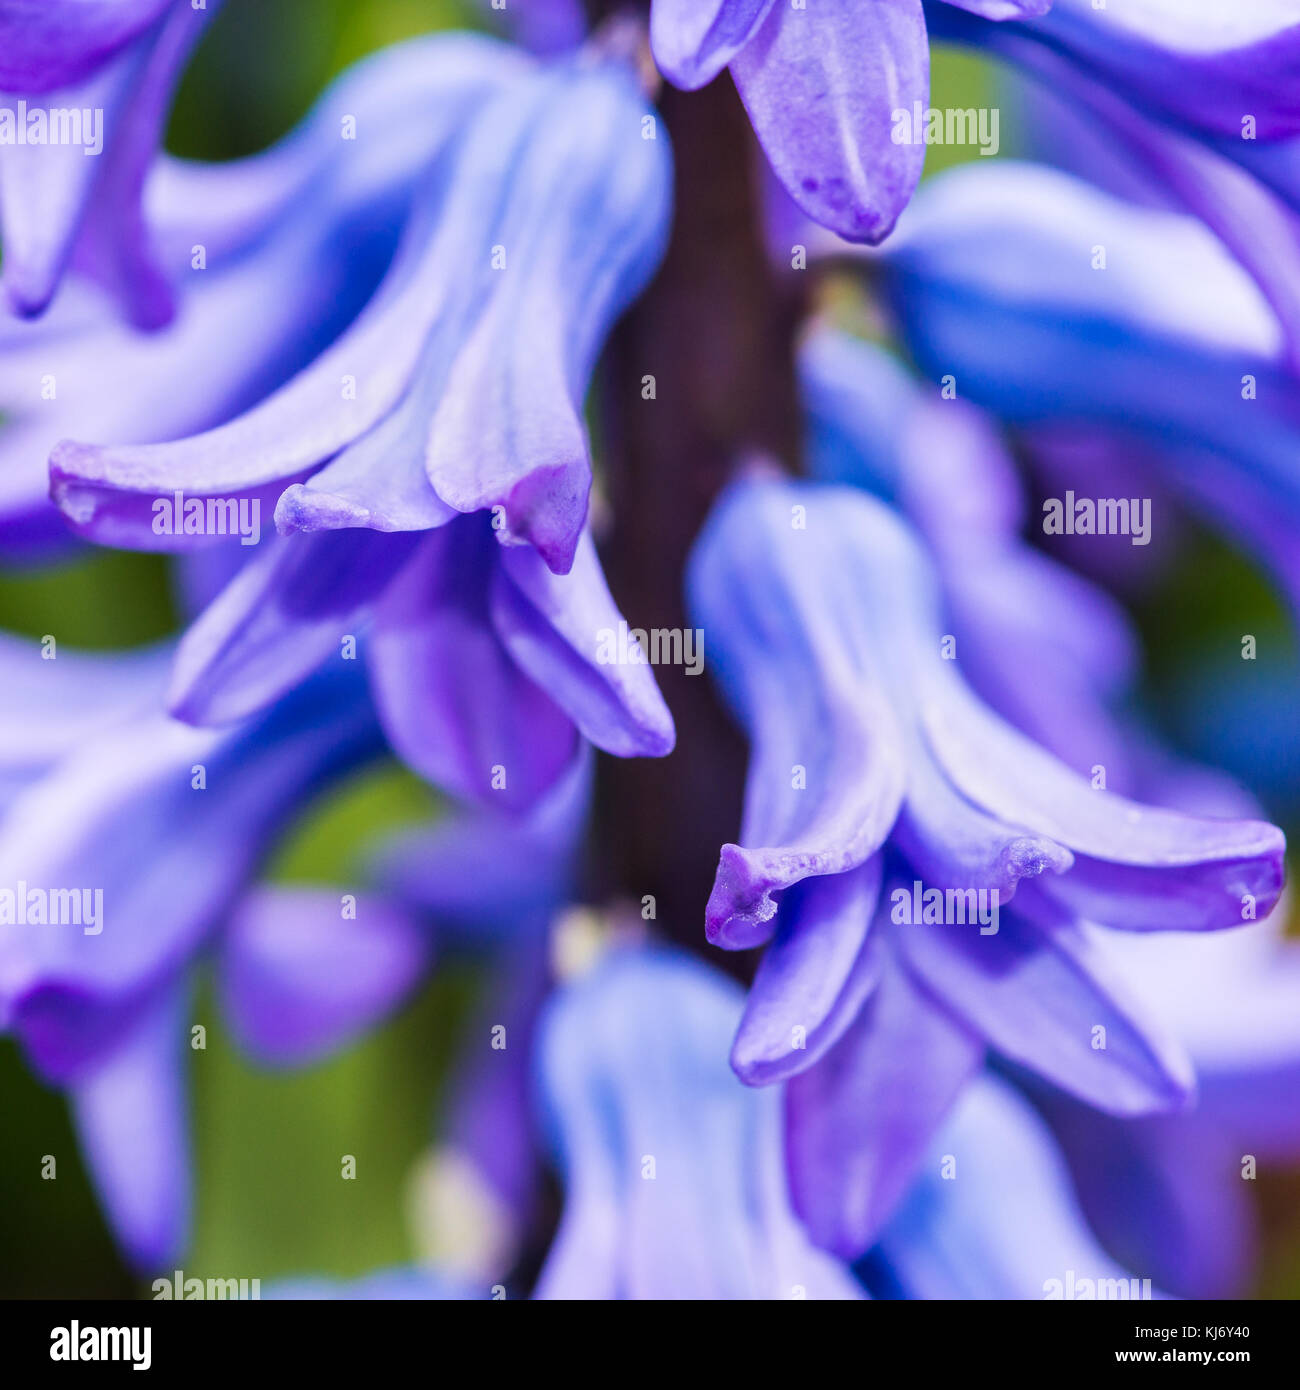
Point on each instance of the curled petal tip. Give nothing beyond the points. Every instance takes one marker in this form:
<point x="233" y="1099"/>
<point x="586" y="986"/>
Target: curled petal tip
<point x="741" y="903"/>
<point x="1029" y="857"/>
<point x="305" y="509"/>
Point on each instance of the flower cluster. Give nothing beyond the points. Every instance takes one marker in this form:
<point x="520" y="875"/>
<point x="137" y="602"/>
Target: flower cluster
<point x="987" y="992"/>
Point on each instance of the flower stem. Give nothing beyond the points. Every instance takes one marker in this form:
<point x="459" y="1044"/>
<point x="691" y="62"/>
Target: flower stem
<point x="715" y="331"/>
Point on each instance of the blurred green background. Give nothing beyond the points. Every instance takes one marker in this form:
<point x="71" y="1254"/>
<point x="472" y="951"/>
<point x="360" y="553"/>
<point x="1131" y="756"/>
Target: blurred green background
<point x="269" y="1198"/>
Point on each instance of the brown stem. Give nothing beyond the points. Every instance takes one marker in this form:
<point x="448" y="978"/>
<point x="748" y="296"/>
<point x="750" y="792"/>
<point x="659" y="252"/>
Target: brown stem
<point x="716" y="331"/>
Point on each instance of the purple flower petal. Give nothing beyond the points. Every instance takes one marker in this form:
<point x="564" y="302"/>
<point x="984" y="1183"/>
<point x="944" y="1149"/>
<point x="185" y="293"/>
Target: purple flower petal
<point x="1040" y="997"/>
<point x="54" y="43"/>
<point x="814" y="977"/>
<point x="821" y="86"/>
<point x="490" y="1120"/>
<point x="130" y="1113"/>
<point x="1004" y="9"/>
<point x="542" y="26"/>
<point x="48" y="706"/>
<point x="1193" y="62"/>
<point x="1164" y="1194"/>
<point x="274" y="291"/>
<point x="315" y="415"/>
<point x="584" y="227"/>
<point x="552" y="625"/>
<point x="954" y="844"/>
<point x="859" y="1121"/>
<point x="826" y="775"/>
<point x="281" y="616"/>
<point x="63" y="987"/>
<point x="454" y="703"/>
<point x="50" y="190"/>
<point x="299" y="980"/>
<point x="693" y="40"/>
<point x="1136" y="866"/>
<point x="486" y="878"/>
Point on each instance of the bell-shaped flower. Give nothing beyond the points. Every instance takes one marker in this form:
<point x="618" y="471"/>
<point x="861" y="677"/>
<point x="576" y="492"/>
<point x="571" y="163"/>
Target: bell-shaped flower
<point x="976" y="927"/>
<point x="673" y="1174"/>
<point x="275" y="255"/>
<point x="457" y="390"/>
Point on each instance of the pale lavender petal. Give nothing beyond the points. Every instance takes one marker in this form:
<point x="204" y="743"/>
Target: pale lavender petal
<point x="49" y="704"/>
<point x="667" y="1159"/>
<point x="209" y="806"/>
<point x="860" y="1121"/>
<point x="693" y="40"/>
<point x="993" y="1214"/>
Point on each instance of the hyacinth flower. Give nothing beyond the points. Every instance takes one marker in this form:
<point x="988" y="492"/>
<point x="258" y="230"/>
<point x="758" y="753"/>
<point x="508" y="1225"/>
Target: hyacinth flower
<point x="673" y="1176"/>
<point x="1050" y="652"/>
<point x="864" y="739"/>
<point x="462" y="543"/>
<point x="85" y="88"/>
<point x="277" y="253"/>
<point x="823" y="85"/>
<point x="1087" y="298"/>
